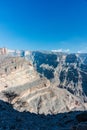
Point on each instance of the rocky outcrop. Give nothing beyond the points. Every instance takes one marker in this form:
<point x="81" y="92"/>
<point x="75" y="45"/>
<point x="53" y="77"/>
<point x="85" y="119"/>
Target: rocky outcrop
<point x="15" y="71"/>
<point x="11" y="119"/>
<point x="47" y="100"/>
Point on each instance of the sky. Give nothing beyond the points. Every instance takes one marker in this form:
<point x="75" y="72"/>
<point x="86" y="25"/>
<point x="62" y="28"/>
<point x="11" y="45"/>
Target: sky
<point x="44" y="24"/>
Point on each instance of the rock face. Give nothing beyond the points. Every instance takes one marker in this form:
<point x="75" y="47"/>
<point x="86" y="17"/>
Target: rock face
<point x="44" y="82"/>
<point x="67" y="71"/>
<point x="51" y="85"/>
<point x="11" y="119"/>
<point x="15" y="71"/>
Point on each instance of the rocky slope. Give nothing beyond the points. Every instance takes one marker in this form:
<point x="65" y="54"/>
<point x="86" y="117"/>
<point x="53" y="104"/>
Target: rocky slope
<point x="44" y="82"/>
<point x="15" y="71"/>
<point x="11" y="119"/>
<point x="22" y="86"/>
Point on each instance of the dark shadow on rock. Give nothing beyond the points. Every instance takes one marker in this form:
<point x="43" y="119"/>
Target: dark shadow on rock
<point x="11" y="119"/>
<point x="47" y="59"/>
<point x="84" y="82"/>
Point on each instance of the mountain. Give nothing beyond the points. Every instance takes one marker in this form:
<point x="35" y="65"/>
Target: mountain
<point x="68" y="71"/>
<point x="43" y="75"/>
<point x="43" y="82"/>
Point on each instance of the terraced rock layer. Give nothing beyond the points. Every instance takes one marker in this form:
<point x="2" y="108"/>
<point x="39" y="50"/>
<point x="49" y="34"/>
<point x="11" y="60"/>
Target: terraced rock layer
<point x="22" y="86"/>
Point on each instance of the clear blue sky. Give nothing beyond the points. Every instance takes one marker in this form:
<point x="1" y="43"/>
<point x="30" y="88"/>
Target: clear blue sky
<point x="44" y="24"/>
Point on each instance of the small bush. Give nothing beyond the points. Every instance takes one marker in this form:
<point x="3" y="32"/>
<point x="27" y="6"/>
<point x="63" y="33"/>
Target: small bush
<point x="10" y="95"/>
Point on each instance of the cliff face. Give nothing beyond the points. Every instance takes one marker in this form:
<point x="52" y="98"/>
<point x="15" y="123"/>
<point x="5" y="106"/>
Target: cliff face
<point x="67" y="71"/>
<point x="15" y="71"/>
<point x="44" y="82"/>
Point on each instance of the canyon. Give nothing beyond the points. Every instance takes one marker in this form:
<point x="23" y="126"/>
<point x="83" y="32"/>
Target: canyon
<point x="44" y="83"/>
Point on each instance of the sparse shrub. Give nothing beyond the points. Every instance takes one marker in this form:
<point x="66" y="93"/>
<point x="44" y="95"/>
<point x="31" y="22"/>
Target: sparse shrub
<point x="10" y="95"/>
